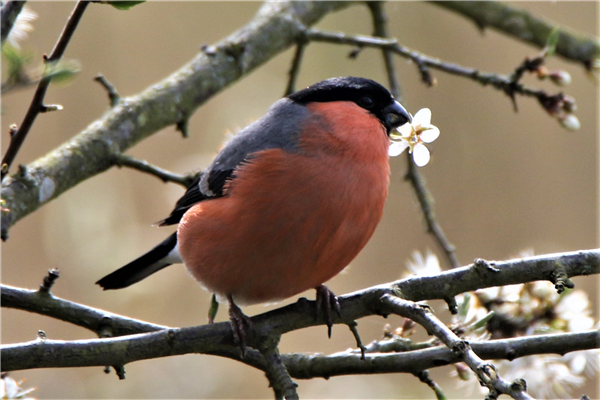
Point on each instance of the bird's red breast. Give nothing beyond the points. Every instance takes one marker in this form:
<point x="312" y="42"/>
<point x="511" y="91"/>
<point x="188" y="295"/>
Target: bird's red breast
<point x="290" y="221"/>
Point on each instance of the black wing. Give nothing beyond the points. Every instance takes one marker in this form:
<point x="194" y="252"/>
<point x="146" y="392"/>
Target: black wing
<point x="193" y="195"/>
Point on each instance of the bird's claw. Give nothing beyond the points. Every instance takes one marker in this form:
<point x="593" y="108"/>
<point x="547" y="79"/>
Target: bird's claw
<point x="326" y="301"/>
<point x="240" y="324"/>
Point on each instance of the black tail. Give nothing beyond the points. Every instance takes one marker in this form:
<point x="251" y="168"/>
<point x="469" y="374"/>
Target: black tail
<point x="140" y="268"/>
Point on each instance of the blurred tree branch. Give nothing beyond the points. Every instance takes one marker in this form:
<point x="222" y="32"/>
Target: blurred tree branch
<point x="524" y="26"/>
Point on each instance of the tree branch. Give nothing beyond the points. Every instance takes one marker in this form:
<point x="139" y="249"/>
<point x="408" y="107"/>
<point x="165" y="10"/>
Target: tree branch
<point x="113" y="95"/>
<point x="122" y="160"/>
<point x="487" y="374"/>
<point x="302" y="366"/>
<point x="90" y="318"/>
<point x="528" y="28"/>
<point x="380" y="29"/>
<point x="295" y="68"/>
<point x="423" y="61"/>
<point x="426" y="202"/>
<point x="276" y="27"/>
<point x="217" y="338"/>
<point x="37" y="103"/>
<point x="557" y="268"/>
<point x="423" y="195"/>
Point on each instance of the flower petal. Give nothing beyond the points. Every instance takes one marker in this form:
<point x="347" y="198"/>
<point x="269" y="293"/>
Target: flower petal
<point x="421" y="155"/>
<point x="406" y="129"/>
<point x="430" y="133"/>
<point x="397" y="148"/>
<point x="422" y="117"/>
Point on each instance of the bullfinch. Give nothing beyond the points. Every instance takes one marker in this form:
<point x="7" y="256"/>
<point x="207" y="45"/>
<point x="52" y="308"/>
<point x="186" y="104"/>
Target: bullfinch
<point x="287" y="203"/>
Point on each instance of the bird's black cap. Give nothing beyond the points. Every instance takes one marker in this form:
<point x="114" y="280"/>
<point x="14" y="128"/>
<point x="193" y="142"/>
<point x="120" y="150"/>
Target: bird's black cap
<point x="366" y="93"/>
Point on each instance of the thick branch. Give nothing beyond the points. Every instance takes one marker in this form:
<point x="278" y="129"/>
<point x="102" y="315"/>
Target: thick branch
<point x="276" y="27"/>
<point x="557" y="268"/>
<point x="87" y="317"/>
<point x="217" y="338"/>
<point x="523" y="25"/>
<point x="303" y="366"/>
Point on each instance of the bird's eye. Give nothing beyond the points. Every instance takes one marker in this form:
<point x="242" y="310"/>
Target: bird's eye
<point x="366" y="102"/>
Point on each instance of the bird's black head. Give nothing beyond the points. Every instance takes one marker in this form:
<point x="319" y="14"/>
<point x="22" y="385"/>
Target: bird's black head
<point x="366" y="93"/>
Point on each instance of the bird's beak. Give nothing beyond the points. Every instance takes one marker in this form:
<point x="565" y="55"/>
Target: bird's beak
<point x="395" y="115"/>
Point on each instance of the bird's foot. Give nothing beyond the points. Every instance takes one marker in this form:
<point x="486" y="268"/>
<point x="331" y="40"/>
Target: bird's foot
<point x="240" y="324"/>
<point x="326" y="302"/>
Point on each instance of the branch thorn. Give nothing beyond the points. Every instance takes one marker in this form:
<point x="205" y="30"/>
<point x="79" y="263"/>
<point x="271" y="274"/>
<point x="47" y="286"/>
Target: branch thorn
<point x="49" y="280"/>
<point x="113" y="95"/>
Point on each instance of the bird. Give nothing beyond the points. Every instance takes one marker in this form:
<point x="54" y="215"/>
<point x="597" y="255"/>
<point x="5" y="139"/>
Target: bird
<point x="287" y="203"/>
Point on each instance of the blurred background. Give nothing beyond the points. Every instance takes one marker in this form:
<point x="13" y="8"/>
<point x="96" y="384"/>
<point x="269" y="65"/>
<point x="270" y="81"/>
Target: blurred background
<point x="503" y="182"/>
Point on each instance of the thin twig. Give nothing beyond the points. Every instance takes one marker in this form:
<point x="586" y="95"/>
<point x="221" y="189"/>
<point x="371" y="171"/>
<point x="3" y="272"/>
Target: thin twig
<point x="426" y="379"/>
<point x="426" y="203"/>
<point x="486" y="372"/>
<point x="113" y="95"/>
<point x="295" y="68"/>
<point x="49" y="281"/>
<point x="380" y="29"/>
<point x="422" y="61"/>
<point x="352" y="325"/>
<point x="122" y="160"/>
<point x="37" y="103"/>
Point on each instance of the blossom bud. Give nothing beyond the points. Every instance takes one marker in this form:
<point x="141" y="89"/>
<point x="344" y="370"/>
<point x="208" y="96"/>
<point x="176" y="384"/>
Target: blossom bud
<point x="560" y="78"/>
<point x="570" y="122"/>
<point x="569" y="104"/>
<point x="542" y="72"/>
<point x="463" y="371"/>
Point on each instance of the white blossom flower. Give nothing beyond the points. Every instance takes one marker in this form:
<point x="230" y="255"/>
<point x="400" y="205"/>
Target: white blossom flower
<point x="21" y="27"/>
<point x="413" y="136"/>
<point x="424" y="265"/>
<point x="11" y="389"/>
<point x="547" y="377"/>
<point x="542" y="310"/>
